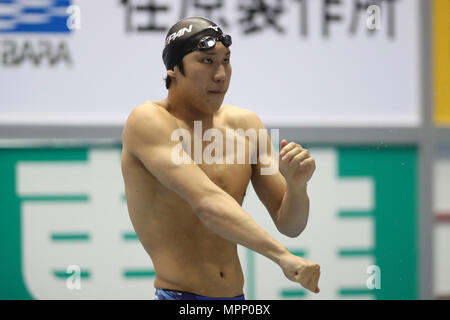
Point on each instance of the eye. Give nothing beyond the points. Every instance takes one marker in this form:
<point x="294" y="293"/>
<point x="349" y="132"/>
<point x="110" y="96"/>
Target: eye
<point x="208" y="60"/>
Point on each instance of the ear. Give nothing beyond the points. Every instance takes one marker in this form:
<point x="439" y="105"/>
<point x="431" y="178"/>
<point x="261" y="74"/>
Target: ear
<point x="171" y="73"/>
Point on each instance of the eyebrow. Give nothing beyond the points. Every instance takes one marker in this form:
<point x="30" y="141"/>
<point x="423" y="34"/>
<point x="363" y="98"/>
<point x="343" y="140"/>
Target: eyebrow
<point x="214" y="53"/>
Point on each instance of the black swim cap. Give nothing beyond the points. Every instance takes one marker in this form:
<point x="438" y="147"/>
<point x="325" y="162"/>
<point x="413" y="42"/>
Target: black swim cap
<point x="185" y="35"/>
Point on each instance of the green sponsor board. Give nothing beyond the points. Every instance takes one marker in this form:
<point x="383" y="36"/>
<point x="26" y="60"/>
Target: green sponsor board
<point x="393" y="216"/>
<point x="394" y="171"/>
<point x="389" y="263"/>
<point x="13" y="285"/>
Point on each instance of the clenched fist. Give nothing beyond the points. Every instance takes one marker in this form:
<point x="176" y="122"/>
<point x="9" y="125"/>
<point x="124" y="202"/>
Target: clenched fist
<point x="302" y="271"/>
<point x="296" y="164"/>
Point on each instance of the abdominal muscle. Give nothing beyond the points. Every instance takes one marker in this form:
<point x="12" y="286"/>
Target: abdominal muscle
<point x="186" y="255"/>
<point x="189" y="257"/>
<point x="208" y="272"/>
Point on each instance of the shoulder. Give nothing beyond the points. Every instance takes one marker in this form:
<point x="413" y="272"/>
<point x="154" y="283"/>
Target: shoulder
<point x="150" y="114"/>
<point x="148" y="120"/>
<point x="238" y="117"/>
<point x="148" y="111"/>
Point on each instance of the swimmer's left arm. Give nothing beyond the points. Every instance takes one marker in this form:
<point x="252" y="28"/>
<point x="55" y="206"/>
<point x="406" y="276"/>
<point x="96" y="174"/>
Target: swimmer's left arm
<point x="297" y="167"/>
<point x="284" y="193"/>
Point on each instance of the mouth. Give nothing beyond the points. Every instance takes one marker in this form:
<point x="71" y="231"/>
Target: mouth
<point x="216" y="92"/>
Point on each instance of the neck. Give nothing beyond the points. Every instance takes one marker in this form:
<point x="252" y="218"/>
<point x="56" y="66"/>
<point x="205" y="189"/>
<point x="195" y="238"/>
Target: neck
<point x="183" y="110"/>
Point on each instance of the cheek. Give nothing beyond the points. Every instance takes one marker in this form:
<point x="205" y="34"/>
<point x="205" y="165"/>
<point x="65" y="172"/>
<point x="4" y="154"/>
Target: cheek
<point x="228" y="72"/>
<point x="193" y="83"/>
<point x="196" y="88"/>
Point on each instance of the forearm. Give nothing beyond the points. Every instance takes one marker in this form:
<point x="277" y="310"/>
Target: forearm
<point x="222" y="214"/>
<point x="293" y="214"/>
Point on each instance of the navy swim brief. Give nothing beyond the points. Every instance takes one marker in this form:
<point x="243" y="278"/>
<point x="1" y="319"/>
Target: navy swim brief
<point x="164" y="294"/>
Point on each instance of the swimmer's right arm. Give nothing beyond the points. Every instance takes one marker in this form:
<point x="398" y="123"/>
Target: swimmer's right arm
<point x="147" y="135"/>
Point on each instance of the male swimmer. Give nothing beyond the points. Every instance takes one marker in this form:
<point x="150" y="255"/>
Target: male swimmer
<point x="188" y="217"/>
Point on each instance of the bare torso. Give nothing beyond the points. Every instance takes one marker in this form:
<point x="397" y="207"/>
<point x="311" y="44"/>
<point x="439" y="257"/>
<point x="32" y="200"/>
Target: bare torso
<point x="186" y="255"/>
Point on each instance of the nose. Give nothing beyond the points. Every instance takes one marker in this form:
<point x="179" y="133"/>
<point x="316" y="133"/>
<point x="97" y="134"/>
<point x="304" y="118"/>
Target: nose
<point x="220" y="74"/>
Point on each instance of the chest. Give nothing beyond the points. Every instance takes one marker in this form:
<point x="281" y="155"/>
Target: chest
<point x="232" y="178"/>
<point x="224" y="155"/>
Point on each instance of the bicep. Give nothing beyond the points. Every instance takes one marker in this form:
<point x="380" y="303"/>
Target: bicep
<point x="270" y="190"/>
<point x="156" y="150"/>
<point x="268" y="183"/>
<point x="187" y="180"/>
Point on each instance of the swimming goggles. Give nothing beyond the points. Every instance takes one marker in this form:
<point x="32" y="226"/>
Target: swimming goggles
<point x="209" y="42"/>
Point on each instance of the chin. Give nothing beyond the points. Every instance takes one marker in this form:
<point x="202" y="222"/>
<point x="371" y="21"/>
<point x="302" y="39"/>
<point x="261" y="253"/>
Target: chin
<point x="214" y="105"/>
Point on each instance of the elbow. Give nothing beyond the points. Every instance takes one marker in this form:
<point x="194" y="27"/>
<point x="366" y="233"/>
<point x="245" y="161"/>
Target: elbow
<point x="292" y="232"/>
<point x="290" y="227"/>
<point x="206" y="208"/>
<point x="203" y="209"/>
